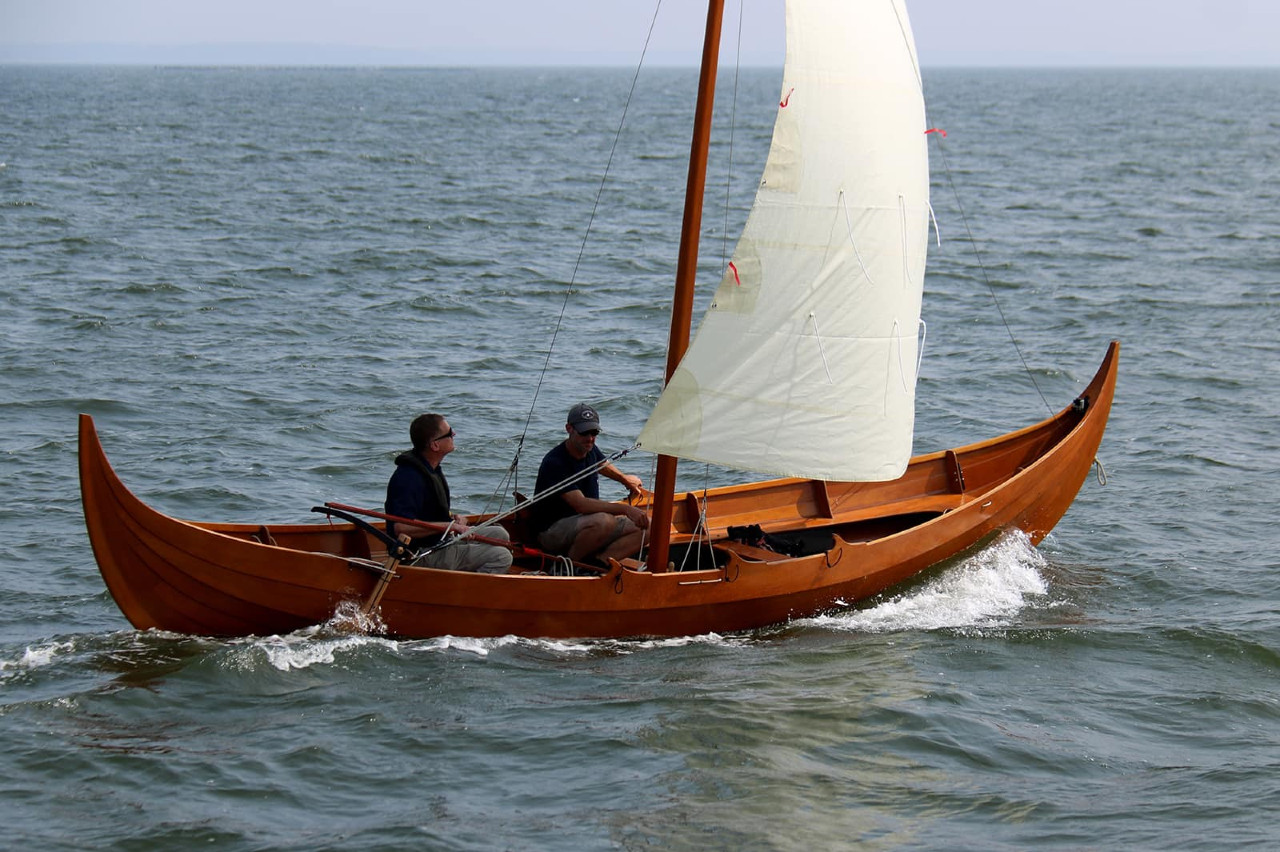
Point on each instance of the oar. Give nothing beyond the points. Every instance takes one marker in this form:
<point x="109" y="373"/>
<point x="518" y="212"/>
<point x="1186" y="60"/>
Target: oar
<point x="525" y="550"/>
<point x="431" y="525"/>
<point x="394" y="548"/>
<point x="389" y="573"/>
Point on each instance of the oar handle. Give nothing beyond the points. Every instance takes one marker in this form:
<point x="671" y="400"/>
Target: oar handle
<point x="400" y="551"/>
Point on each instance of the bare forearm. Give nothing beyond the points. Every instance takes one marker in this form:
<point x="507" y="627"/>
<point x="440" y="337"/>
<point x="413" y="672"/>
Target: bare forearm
<point x="587" y="505"/>
<point x="584" y="505"/>
<point x="633" y="483"/>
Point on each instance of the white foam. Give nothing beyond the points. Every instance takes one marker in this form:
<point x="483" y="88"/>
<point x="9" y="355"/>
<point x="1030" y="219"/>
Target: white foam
<point x="483" y="646"/>
<point x="987" y="589"/>
<point x="348" y="618"/>
<point x="683" y="641"/>
<point x="471" y="645"/>
<point x="566" y="647"/>
<point x="302" y="650"/>
<point x="38" y="657"/>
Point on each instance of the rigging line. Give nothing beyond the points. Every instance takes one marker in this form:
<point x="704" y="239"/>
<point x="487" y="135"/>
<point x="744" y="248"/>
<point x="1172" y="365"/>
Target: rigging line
<point x="552" y="490"/>
<point x="500" y="488"/>
<point x="653" y="476"/>
<point x="573" y="277"/>
<point x="700" y="534"/>
<point x="942" y="151"/>
<point x="506" y="484"/>
<point x="702" y="531"/>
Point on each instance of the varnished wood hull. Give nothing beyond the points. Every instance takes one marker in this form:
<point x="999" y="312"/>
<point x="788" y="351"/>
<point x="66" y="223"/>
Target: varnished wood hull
<point x="242" y="579"/>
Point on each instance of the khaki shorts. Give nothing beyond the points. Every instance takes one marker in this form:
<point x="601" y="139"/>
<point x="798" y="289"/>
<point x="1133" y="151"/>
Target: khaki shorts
<point x="559" y="537"/>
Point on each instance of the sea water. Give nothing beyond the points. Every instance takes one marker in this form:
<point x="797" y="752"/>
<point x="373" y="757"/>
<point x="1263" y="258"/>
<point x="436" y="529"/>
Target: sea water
<point x="254" y="278"/>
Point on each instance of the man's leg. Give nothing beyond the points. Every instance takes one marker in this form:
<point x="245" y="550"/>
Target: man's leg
<point x="466" y="555"/>
<point x="595" y="532"/>
<point x="606" y="536"/>
<point x="627" y="544"/>
<point x="489" y="558"/>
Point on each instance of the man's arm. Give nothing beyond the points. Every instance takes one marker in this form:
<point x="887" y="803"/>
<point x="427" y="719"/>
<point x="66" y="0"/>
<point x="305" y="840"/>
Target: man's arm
<point x="633" y="483"/>
<point x="584" y="505"/>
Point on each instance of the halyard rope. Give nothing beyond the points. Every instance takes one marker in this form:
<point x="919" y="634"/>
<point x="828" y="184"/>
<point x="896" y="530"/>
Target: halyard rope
<point x="511" y="475"/>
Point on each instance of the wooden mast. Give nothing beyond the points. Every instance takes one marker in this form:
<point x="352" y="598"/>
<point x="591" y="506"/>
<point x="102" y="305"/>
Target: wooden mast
<point x="664" y="485"/>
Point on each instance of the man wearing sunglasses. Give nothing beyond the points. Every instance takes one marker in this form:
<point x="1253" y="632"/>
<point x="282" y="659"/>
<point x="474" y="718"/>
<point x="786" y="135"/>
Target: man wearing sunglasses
<point x="419" y="490"/>
<point x="573" y="520"/>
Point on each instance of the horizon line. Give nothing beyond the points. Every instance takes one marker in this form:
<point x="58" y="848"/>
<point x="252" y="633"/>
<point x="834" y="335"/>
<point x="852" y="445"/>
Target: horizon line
<point x="301" y="55"/>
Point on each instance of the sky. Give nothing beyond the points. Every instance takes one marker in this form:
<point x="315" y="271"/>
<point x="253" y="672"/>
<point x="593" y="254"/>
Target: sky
<point x="612" y="32"/>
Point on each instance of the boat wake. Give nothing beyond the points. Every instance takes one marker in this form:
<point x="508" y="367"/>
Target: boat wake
<point x="321" y="646"/>
<point x="301" y="651"/>
<point x="986" y="589"/>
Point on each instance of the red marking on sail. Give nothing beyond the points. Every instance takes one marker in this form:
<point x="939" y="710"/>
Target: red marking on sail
<point x="736" y="279"/>
<point x="938" y="130"/>
<point x="783" y="103"/>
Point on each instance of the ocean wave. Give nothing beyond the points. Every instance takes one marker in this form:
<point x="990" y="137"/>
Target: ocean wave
<point x="36" y="657"/>
<point x="988" y="589"/>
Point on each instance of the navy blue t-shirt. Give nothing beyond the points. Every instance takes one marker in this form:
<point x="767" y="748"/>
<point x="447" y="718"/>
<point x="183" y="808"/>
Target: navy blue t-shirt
<point x="556" y="467"/>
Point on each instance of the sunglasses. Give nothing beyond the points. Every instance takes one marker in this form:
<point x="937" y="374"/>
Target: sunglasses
<point x="590" y="433"/>
<point x="448" y="434"/>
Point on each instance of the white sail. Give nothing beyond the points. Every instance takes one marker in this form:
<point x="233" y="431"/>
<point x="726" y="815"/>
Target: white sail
<point x="805" y="363"/>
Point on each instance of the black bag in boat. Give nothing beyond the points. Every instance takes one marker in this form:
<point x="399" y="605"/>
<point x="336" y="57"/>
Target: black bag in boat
<point x="799" y="543"/>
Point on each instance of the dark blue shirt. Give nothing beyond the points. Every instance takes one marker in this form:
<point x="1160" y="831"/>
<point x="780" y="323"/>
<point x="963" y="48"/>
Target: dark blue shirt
<point x="556" y="467"/>
<point x="418" y="492"/>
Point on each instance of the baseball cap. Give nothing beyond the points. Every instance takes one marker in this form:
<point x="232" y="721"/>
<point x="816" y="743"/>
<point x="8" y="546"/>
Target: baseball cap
<point x="583" y="418"/>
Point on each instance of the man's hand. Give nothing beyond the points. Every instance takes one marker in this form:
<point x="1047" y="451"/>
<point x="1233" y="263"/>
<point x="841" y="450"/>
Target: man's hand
<point x="634" y="484"/>
<point x="638" y="517"/>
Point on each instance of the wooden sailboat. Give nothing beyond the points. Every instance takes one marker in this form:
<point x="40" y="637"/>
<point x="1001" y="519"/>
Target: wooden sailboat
<point x="821" y="302"/>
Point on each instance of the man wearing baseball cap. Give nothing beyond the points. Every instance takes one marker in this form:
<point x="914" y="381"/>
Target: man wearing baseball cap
<point x="572" y="520"/>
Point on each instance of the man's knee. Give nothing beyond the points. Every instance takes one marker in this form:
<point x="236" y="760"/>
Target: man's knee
<point x="604" y="521"/>
<point x="496" y="561"/>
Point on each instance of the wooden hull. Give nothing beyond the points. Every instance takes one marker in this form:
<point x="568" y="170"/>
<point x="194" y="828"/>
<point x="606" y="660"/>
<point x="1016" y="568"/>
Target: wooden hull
<point x="243" y="579"/>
